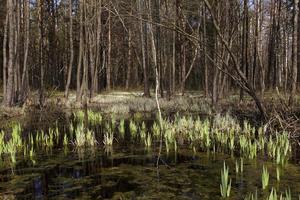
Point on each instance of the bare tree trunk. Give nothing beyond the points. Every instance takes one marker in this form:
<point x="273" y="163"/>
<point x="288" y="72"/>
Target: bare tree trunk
<point x="108" y="67"/>
<point x="243" y="80"/>
<point x="205" y="52"/>
<point x="174" y="61"/>
<point x="5" y="54"/>
<point x="143" y="46"/>
<point x="41" y="51"/>
<point x="128" y="77"/>
<point x="71" y="50"/>
<point x="294" y="53"/>
<point x="25" y="82"/>
<point x="98" y="49"/>
<point x="8" y="99"/>
<point x="79" y="65"/>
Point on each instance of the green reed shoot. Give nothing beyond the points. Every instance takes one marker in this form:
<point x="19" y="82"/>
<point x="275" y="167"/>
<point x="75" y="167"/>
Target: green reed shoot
<point x="225" y="186"/>
<point x="265" y="178"/>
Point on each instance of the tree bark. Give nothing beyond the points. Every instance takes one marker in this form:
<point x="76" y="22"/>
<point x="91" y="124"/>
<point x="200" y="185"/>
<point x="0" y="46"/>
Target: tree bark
<point x="294" y="53"/>
<point x="71" y="50"/>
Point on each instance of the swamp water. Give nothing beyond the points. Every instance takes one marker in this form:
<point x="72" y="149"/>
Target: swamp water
<point x="116" y="159"/>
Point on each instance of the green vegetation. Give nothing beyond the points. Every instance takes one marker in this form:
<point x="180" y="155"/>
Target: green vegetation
<point x="221" y="135"/>
<point x="133" y="128"/>
<point x="265" y="178"/>
<point x="108" y="138"/>
<point x="273" y="195"/>
<point x="251" y="196"/>
<point x="225" y="186"/>
<point x="122" y="127"/>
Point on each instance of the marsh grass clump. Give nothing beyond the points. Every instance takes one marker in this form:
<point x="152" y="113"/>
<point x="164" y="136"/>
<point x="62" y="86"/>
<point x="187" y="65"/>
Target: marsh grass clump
<point x="265" y="178"/>
<point x="133" y="128"/>
<point x="239" y="167"/>
<point x="11" y="149"/>
<point x="94" y="118"/>
<point x="108" y="138"/>
<point x="286" y="196"/>
<point x="122" y="127"/>
<point x="251" y="196"/>
<point x="79" y="116"/>
<point x="90" y="138"/>
<point x="170" y="139"/>
<point x="2" y="142"/>
<point x="155" y="129"/>
<point x="273" y="195"/>
<point x="83" y="137"/>
<point x="79" y="135"/>
<point x="279" y="148"/>
<point x="14" y="144"/>
<point x="148" y="141"/>
<point x="225" y="186"/>
<point x="278" y="173"/>
<point x="225" y="122"/>
<point x="138" y="116"/>
<point x="65" y="143"/>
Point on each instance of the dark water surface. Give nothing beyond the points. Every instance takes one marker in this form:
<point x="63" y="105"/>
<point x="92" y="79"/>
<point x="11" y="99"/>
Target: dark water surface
<point x="128" y="171"/>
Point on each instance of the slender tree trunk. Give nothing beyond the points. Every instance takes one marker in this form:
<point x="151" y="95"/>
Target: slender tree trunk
<point x="143" y="47"/>
<point x="108" y="67"/>
<point x="294" y="53"/>
<point x="71" y="50"/>
<point x="174" y="61"/>
<point x="25" y="82"/>
<point x="128" y="77"/>
<point x="205" y="53"/>
<point x="41" y="51"/>
<point x="8" y="99"/>
<point x="79" y="65"/>
<point x="5" y="54"/>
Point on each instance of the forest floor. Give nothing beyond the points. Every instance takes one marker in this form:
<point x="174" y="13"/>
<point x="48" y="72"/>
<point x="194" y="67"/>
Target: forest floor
<point x="120" y="102"/>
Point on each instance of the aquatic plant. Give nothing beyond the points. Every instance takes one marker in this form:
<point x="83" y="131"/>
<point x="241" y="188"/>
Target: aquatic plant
<point x="286" y="196"/>
<point x="133" y="128"/>
<point x="272" y="195"/>
<point x="80" y="135"/>
<point x="16" y="135"/>
<point x="94" y="118"/>
<point x="71" y="128"/>
<point x="143" y="127"/>
<point x="155" y="129"/>
<point x="84" y="136"/>
<point x="148" y="141"/>
<point x="169" y="138"/>
<point x="113" y="121"/>
<point x="90" y="138"/>
<point x="65" y="140"/>
<point x="242" y="165"/>
<point x="138" y="116"/>
<point x="79" y="115"/>
<point x="231" y="140"/>
<point x="225" y="186"/>
<point x="279" y="148"/>
<point x="122" y="127"/>
<point x="32" y="155"/>
<point x="277" y="173"/>
<point x="251" y="196"/>
<point x="2" y="142"/>
<point x="11" y="149"/>
<point x="237" y="167"/>
<point x="108" y="138"/>
<point x="265" y="178"/>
